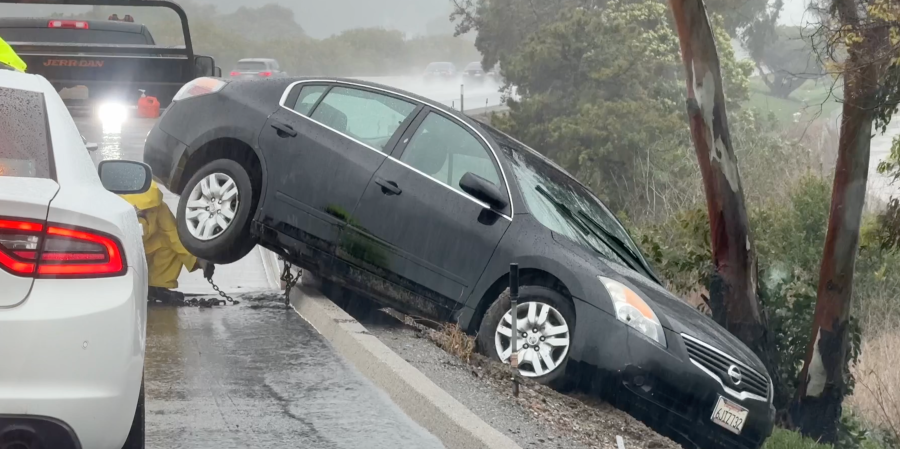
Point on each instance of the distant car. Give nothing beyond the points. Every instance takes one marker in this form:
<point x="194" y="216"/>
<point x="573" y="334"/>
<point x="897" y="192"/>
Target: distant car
<point x="440" y="71"/>
<point x="73" y="307"/>
<point x="423" y="209"/>
<point x="474" y="74"/>
<point x="257" y="68"/>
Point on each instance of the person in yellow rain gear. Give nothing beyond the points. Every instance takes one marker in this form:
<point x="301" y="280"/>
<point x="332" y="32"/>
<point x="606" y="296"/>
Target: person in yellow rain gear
<point x="165" y="253"/>
<point x="9" y="58"/>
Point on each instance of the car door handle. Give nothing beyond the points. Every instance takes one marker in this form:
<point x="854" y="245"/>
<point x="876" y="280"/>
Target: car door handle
<point x="284" y="130"/>
<point x="388" y="187"/>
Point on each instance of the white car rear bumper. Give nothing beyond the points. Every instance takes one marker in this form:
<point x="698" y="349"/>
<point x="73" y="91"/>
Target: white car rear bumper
<point x="74" y="352"/>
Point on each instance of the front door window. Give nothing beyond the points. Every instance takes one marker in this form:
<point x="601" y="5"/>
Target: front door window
<point x="445" y="151"/>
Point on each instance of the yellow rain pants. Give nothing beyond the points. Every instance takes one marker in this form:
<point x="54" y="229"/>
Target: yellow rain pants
<point x="165" y="253"/>
<point x="10" y="58"/>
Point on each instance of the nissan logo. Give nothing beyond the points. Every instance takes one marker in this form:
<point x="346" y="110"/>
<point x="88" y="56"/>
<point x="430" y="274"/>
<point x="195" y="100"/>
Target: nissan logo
<point x="734" y="373"/>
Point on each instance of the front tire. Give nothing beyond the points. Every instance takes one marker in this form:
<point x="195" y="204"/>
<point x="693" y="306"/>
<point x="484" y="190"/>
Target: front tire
<point x="215" y="210"/>
<point x="546" y="324"/>
<point x="135" y="438"/>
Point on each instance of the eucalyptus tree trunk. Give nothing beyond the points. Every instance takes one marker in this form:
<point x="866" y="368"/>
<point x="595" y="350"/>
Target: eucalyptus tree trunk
<point x="733" y="297"/>
<point x="816" y="409"/>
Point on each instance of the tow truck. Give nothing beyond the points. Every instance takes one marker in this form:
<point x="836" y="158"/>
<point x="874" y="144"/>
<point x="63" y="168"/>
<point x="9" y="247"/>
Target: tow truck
<point x="115" y="60"/>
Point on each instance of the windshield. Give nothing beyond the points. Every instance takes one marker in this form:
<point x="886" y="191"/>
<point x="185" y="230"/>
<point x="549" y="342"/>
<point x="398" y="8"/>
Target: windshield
<point x="474" y="66"/>
<point x="543" y="185"/>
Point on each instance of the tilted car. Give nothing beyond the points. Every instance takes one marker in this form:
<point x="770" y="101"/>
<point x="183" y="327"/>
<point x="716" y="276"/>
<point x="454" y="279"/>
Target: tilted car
<point x="423" y="209"/>
<point x="73" y="281"/>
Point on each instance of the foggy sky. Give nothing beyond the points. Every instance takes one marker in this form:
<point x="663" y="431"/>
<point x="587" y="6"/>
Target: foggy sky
<point x="320" y="18"/>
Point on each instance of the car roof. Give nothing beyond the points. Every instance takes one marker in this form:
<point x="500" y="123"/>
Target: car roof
<point x="433" y="103"/>
<point x="484" y="128"/>
<point x="256" y="60"/>
<point x="13" y="79"/>
<point x="100" y="25"/>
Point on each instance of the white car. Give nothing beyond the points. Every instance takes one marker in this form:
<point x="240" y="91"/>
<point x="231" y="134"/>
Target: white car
<point x="73" y="281"/>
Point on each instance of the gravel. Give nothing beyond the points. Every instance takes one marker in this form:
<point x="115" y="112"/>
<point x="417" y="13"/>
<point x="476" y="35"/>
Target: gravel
<point x="539" y="417"/>
<point x="495" y="407"/>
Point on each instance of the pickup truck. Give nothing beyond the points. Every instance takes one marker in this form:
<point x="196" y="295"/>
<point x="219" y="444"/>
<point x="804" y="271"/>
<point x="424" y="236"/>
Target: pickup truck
<point x="114" y="59"/>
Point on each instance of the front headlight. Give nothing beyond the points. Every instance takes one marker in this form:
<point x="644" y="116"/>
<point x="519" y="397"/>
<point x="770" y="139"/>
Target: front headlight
<point x="634" y="311"/>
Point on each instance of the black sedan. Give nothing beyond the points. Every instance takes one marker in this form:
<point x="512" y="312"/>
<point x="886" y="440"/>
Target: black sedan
<point x="423" y="209"/>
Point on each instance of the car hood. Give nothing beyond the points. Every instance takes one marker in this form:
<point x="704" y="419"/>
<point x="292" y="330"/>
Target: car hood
<point x="674" y="313"/>
<point x="680" y="317"/>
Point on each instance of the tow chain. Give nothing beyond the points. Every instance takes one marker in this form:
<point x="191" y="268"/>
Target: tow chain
<point x="221" y="294"/>
<point x="289" y="281"/>
<point x="201" y="302"/>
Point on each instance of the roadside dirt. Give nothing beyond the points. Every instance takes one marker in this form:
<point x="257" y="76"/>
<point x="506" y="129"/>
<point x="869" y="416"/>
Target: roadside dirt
<point x="552" y="419"/>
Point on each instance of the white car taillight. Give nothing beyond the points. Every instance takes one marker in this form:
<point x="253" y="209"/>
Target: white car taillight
<point x="198" y="87"/>
<point x="32" y="249"/>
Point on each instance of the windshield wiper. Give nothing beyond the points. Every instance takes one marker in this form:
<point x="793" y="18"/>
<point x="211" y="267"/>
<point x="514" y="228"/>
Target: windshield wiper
<point x="618" y="241"/>
<point x="585" y="229"/>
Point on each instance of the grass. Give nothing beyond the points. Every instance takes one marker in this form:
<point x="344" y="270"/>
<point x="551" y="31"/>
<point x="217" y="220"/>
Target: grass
<point x="785" y="439"/>
<point x="812" y="100"/>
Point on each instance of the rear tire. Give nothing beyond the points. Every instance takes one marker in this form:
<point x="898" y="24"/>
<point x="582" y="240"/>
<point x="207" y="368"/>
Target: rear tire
<point x="221" y="245"/>
<point x="553" y="345"/>
<point x="135" y="438"/>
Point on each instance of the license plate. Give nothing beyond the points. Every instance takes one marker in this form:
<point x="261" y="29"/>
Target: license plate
<point x="729" y="415"/>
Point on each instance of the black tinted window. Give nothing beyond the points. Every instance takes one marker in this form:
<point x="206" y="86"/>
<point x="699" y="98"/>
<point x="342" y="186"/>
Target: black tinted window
<point x="72" y="36"/>
<point x="309" y="95"/>
<point x="24" y="136"/>
<point x="366" y="116"/>
<point x="442" y="149"/>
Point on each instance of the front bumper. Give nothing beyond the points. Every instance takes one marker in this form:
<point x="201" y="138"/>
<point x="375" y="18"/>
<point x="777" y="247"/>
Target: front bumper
<point x="664" y="387"/>
<point x="660" y="385"/>
<point x="73" y="357"/>
<point x="164" y="154"/>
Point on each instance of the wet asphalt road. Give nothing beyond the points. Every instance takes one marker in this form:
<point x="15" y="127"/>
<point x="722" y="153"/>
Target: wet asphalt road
<point x="258" y="376"/>
<point x="255" y="375"/>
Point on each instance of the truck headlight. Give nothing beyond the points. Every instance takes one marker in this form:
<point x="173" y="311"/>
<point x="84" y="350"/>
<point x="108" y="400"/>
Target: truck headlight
<point x="632" y="310"/>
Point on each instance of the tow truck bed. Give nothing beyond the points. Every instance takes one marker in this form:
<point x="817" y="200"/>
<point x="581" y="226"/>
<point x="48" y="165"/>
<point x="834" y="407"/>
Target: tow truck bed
<point x="114" y="60"/>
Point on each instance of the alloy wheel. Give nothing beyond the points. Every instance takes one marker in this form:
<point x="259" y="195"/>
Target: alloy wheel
<point x="542" y="342"/>
<point x="211" y="206"/>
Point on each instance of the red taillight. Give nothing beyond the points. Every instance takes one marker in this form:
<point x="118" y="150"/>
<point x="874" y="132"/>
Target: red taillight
<point x="77" y="24"/>
<point x="235" y="73"/>
<point x="266" y="74"/>
<point x="31" y="249"/>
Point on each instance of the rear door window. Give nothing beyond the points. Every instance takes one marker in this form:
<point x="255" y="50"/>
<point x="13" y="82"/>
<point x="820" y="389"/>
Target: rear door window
<point x="308" y="97"/>
<point x="365" y="116"/>
<point x="24" y="135"/>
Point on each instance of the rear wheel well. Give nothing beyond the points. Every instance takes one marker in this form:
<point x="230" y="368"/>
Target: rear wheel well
<point x="527" y="276"/>
<point x="224" y="148"/>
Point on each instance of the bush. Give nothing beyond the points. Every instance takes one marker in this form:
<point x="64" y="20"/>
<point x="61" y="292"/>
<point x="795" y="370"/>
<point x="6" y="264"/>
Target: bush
<point x="789" y="237"/>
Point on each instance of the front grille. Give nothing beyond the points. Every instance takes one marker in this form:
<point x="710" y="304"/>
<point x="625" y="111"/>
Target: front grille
<point x="718" y="363"/>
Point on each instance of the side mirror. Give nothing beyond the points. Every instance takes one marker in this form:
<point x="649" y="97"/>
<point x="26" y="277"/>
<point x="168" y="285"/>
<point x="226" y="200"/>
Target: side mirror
<point x="204" y="66"/>
<point x="125" y="177"/>
<point x="483" y="190"/>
